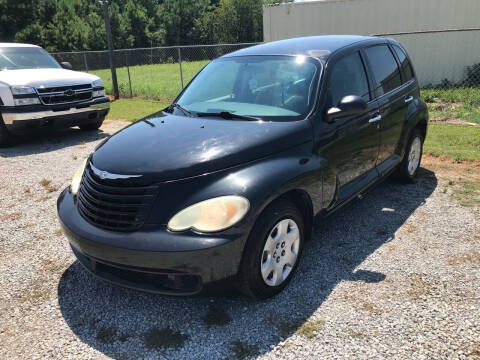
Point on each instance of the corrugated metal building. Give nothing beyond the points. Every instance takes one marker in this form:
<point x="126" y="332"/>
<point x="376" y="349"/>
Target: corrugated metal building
<point x="436" y="55"/>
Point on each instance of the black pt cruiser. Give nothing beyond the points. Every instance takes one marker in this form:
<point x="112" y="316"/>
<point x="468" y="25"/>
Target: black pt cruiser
<point x="226" y="181"/>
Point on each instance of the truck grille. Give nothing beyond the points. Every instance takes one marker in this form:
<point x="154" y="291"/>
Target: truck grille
<point x="65" y="94"/>
<point x="114" y="207"/>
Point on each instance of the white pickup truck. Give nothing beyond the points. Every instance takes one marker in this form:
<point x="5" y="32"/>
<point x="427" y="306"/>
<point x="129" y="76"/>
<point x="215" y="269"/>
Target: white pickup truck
<point x="37" y="92"/>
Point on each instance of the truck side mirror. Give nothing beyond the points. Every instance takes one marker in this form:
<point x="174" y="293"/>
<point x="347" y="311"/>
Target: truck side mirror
<point x="66" y="65"/>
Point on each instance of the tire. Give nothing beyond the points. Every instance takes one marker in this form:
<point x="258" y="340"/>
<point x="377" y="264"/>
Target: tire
<point x="250" y="280"/>
<point x="92" y="126"/>
<point x="6" y="139"/>
<point x="406" y="172"/>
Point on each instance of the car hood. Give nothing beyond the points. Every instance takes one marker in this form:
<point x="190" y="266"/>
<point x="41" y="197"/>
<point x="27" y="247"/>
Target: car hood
<point x="45" y="77"/>
<point x="165" y="147"/>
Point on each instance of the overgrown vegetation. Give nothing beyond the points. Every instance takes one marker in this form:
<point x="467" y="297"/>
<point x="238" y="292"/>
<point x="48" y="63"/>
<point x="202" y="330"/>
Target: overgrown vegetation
<point x="65" y="25"/>
<point x="461" y="103"/>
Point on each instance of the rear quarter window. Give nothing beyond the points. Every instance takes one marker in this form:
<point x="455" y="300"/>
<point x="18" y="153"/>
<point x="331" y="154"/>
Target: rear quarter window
<point x="404" y="63"/>
<point x="384" y="68"/>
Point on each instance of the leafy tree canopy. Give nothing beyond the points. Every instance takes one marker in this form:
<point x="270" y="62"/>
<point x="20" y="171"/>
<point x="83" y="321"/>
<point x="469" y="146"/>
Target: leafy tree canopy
<point x="67" y="25"/>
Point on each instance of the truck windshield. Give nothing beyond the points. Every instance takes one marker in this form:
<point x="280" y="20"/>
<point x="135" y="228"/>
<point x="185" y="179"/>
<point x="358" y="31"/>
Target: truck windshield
<point x="276" y="88"/>
<point x="14" y="58"/>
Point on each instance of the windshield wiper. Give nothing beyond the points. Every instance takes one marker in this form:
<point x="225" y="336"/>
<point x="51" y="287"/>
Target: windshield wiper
<point x="178" y="106"/>
<point x="228" y="115"/>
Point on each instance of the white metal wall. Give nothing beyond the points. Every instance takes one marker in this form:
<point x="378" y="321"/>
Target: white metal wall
<point x="436" y="56"/>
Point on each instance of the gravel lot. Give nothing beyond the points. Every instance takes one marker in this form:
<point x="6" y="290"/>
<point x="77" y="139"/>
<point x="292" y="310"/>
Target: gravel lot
<point x="395" y="275"/>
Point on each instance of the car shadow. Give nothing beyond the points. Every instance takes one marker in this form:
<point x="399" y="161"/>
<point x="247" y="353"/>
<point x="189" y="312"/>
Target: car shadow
<point x="44" y="141"/>
<point x="124" y="323"/>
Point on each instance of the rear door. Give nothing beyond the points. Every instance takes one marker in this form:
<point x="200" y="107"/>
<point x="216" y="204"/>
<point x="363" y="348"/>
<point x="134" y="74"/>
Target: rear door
<point x="393" y="98"/>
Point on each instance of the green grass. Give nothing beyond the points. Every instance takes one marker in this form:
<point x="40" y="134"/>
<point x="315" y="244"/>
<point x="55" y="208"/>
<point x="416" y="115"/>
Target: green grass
<point x="159" y="81"/>
<point x="133" y="110"/>
<point x="458" y="103"/>
<point x="458" y="142"/>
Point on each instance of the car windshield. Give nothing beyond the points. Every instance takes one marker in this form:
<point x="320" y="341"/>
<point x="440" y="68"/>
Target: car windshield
<point x="14" y="58"/>
<point x="279" y="88"/>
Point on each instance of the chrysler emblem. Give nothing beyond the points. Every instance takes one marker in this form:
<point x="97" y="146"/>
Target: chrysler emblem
<point x="102" y="174"/>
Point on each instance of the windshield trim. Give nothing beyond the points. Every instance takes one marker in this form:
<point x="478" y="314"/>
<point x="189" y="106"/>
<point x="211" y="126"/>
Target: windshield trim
<point x="316" y="60"/>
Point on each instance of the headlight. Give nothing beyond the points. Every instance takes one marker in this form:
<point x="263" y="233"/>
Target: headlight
<point x="24" y="95"/>
<point x="98" y="89"/>
<point x="77" y="178"/>
<point x="211" y="215"/>
<point x="22" y="90"/>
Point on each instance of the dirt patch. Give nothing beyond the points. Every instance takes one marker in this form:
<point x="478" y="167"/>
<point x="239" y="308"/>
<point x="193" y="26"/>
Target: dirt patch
<point x="463" y="259"/>
<point x="419" y="287"/>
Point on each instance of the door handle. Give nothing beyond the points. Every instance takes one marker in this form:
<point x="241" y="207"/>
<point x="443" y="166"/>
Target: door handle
<point x="408" y="99"/>
<point x="375" y="119"/>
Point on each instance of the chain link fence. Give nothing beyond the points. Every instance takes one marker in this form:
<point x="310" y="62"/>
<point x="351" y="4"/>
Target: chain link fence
<point x="157" y="73"/>
<point x="447" y="64"/>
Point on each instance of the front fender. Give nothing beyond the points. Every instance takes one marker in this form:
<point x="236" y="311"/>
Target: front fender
<point x="260" y="181"/>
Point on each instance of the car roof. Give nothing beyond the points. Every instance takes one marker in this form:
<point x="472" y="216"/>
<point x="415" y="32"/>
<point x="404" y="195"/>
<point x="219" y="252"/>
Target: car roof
<point x="4" y="45"/>
<point x="316" y="46"/>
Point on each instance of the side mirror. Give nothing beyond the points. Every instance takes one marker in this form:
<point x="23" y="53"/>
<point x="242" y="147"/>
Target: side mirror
<point x="348" y="106"/>
<point x="66" y="65"/>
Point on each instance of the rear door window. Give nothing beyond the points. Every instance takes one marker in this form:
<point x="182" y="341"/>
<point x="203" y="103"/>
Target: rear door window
<point x="348" y="78"/>
<point x="404" y="63"/>
<point x="384" y="68"/>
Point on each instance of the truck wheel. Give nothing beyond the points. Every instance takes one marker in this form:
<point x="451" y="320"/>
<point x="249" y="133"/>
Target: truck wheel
<point x="6" y="139"/>
<point x="92" y="126"/>
<point x="272" y="252"/>
<point x="410" y="164"/>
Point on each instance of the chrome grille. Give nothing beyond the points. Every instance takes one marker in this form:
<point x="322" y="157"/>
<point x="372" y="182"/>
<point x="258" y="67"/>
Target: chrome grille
<point x="106" y="204"/>
<point x="65" y="94"/>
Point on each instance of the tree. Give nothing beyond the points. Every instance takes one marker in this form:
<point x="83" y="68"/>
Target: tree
<point x="65" y="25"/>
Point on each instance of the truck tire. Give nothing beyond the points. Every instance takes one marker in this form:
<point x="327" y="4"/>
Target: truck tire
<point x="92" y="126"/>
<point x="6" y="139"/>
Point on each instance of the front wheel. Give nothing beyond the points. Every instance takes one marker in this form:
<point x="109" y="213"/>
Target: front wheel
<point x="410" y="164"/>
<point x="6" y="138"/>
<point x="92" y="126"/>
<point x="272" y="252"/>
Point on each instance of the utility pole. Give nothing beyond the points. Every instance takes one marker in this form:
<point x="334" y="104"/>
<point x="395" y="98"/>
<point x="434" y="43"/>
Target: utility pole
<point x="108" y="30"/>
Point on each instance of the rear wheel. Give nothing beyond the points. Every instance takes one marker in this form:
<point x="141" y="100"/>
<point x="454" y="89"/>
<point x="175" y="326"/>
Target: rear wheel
<point x="272" y="252"/>
<point x="410" y="164"/>
<point x="92" y="126"/>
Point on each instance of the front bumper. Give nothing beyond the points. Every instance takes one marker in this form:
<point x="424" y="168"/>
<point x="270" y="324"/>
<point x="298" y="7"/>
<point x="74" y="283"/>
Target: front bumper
<point x="61" y="115"/>
<point x="151" y="259"/>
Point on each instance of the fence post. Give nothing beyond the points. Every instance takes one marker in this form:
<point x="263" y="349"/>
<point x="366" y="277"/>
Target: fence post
<point x="85" y="61"/>
<point x="128" y="72"/>
<point x="180" y="62"/>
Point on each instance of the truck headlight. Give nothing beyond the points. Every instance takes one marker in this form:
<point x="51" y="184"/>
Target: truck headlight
<point x="98" y="89"/>
<point x="22" y="90"/>
<point x="211" y="215"/>
<point x="77" y="178"/>
<point x="24" y="95"/>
